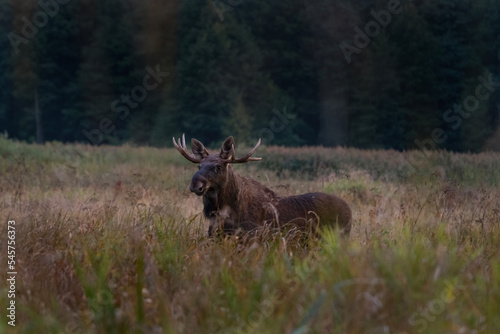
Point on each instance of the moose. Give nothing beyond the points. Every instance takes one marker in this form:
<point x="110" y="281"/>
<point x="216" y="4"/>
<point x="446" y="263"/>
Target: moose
<point x="235" y="203"/>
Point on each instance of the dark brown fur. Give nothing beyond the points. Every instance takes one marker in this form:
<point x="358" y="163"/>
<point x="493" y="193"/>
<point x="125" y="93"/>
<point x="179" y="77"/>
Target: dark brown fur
<point x="233" y="202"/>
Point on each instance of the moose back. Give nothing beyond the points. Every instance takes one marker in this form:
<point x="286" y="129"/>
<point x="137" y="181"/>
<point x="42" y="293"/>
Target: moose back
<point x="232" y="202"/>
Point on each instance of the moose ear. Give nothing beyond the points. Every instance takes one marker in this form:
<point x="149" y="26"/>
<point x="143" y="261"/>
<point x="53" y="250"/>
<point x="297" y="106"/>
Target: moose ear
<point x="227" y="148"/>
<point x="198" y="149"/>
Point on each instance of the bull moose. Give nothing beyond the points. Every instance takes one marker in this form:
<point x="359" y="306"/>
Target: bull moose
<point x="233" y="202"/>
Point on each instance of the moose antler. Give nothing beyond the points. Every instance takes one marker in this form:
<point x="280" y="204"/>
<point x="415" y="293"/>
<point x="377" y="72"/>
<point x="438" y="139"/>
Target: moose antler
<point x="183" y="150"/>
<point x="246" y="158"/>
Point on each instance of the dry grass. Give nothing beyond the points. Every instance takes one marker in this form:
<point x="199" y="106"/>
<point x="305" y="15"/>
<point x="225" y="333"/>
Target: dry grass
<point x="109" y="240"/>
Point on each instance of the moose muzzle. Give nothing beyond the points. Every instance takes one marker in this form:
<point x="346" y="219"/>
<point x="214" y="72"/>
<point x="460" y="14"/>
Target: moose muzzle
<point x="198" y="184"/>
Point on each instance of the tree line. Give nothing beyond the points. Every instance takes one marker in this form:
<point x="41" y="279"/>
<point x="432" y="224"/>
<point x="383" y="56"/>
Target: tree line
<point x="368" y="74"/>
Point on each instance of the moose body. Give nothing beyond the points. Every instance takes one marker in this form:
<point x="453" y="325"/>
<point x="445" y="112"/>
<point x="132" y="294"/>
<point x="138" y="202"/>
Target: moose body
<point x="233" y="202"/>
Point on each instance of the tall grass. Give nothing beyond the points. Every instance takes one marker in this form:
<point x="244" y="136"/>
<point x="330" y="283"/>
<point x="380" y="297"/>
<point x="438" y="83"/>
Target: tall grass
<point x="111" y="241"/>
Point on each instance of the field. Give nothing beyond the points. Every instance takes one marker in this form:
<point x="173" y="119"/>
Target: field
<point x="110" y="240"/>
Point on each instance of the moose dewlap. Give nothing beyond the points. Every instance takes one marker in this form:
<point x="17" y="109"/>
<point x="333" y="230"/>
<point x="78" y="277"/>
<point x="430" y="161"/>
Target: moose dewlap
<point x="232" y="202"/>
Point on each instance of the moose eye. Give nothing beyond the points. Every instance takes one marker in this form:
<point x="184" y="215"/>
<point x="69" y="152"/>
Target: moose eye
<point x="218" y="168"/>
<point x="199" y="167"/>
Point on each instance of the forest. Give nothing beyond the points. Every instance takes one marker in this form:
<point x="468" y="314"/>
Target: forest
<point x="367" y="74"/>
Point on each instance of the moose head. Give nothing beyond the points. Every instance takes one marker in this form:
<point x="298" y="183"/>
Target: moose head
<point x="213" y="168"/>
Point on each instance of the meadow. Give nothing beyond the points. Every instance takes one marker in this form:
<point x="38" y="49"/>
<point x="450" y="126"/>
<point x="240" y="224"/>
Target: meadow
<point x="110" y="240"/>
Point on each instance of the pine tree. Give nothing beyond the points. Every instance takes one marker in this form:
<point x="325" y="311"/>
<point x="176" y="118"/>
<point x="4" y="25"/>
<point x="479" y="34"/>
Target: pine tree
<point x="5" y="70"/>
<point x="24" y="76"/>
<point x="239" y="122"/>
<point x="58" y="56"/>
<point x="331" y="24"/>
<point x="417" y="65"/>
